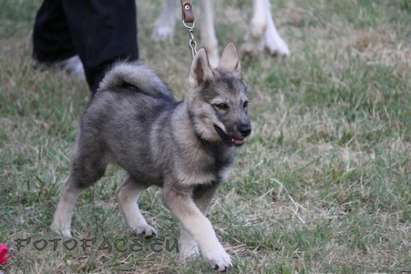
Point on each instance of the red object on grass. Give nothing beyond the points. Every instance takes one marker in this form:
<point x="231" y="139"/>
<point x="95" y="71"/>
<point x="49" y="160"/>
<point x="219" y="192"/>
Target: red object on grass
<point x="4" y="251"/>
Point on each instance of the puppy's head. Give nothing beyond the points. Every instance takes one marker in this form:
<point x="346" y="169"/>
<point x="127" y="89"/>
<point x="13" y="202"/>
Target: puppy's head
<point x="217" y="100"/>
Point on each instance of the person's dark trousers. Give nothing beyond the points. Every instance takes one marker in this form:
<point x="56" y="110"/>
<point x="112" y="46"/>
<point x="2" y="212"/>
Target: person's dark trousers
<point x="101" y="32"/>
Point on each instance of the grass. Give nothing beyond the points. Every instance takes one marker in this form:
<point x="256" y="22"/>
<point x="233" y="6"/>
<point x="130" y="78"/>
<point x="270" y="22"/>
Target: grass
<point x="323" y="185"/>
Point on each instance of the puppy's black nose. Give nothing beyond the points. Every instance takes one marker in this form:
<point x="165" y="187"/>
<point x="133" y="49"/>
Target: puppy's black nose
<point x="244" y="129"/>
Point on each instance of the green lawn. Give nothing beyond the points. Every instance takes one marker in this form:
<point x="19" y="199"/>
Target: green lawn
<point x="323" y="185"/>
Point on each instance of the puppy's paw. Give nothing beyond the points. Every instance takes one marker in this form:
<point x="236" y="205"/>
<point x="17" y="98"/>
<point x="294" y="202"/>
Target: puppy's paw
<point x="63" y="231"/>
<point x="145" y="230"/>
<point x="219" y="260"/>
<point x="188" y="252"/>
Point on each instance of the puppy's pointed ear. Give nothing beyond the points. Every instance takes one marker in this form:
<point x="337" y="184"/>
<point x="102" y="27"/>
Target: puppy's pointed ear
<point x="230" y="60"/>
<point x="201" y="71"/>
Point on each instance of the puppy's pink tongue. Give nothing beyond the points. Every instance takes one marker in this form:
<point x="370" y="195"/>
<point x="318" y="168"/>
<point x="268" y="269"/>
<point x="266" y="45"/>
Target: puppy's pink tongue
<point x="237" y="141"/>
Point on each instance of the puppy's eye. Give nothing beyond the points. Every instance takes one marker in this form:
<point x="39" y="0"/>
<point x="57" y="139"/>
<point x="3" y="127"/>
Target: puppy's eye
<point x="245" y="104"/>
<point x="221" y="106"/>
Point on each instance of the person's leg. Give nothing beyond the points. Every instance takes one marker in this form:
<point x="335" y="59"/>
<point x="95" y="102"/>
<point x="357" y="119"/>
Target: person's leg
<point x="103" y="32"/>
<point x="51" y="36"/>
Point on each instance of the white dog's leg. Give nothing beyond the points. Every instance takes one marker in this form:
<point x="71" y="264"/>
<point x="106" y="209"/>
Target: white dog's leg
<point x="272" y="39"/>
<point x="208" y="36"/>
<point x="128" y="197"/>
<point x="263" y="34"/>
<point x="254" y="38"/>
<point x="259" y="20"/>
<point x="165" y="23"/>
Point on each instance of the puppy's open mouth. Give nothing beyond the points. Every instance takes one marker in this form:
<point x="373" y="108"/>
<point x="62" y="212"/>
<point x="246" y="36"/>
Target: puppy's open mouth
<point x="229" y="140"/>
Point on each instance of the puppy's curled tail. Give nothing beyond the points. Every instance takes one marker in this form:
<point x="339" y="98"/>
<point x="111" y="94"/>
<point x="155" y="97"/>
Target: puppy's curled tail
<point x="137" y="75"/>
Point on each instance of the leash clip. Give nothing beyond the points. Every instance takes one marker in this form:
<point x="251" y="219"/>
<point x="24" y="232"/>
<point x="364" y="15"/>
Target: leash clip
<point x="189" y="24"/>
<point x="187" y="11"/>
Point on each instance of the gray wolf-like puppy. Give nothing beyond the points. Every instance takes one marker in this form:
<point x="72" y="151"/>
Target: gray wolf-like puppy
<point x="184" y="147"/>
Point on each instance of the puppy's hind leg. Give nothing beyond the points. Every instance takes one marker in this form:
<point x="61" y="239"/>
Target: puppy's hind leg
<point x="72" y="189"/>
<point x="88" y="166"/>
<point x="62" y="216"/>
<point x="128" y="197"/>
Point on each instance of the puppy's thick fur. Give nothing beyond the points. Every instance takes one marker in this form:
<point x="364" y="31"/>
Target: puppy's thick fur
<point x="184" y="147"/>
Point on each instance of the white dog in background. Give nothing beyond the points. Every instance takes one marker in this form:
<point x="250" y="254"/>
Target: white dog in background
<point x="263" y="34"/>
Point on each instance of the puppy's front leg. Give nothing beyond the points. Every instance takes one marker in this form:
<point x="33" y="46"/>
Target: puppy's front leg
<point x="128" y="196"/>
<point x="181" y="204"/>
<point x="188" y="247"/>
